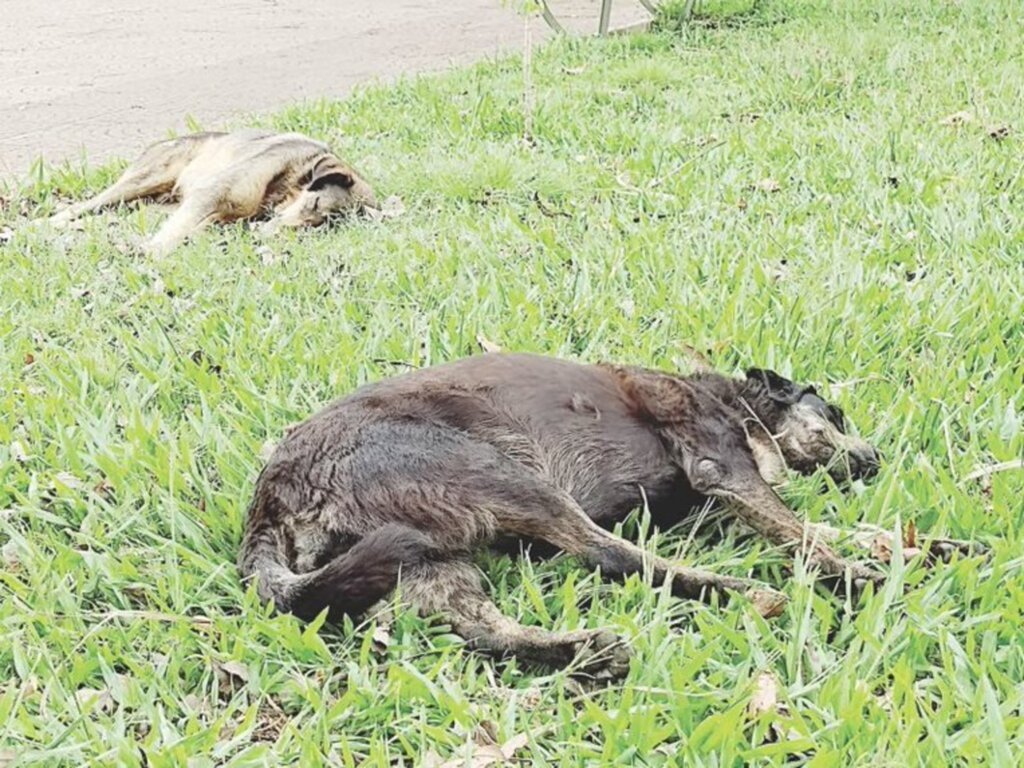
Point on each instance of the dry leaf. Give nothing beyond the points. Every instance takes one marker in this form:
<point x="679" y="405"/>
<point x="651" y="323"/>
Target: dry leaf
<point x="9" y="555"/>
<point x="574" y="70"/>
<point x="768" y="185"/>
<point x="486" y="344"/>
<point x="231" y="675"/>
<point x="104" y="488"/>
<point x="998" y="131"/>
<point x="68" y="480"/>
<point x="94" y="699"/>
<point x="484" y="755"/>
<point x="703" y="141"/>
<point x="531" y="698"/>
<point x="381" y="638"/>
<point x="881" y="548"/>
<point x="18" y="452"/>
<point x="625" y="180"/>
<point x="697" y="360"/>
<point x="267" y="450"/>
<point x="270" y="722"/>
<point x="765" y="700"/>
<point x="391" y="208"/>
<point x="486" y="733"/>
<point x="30" y="687"/>
<point x="881" y="545"/>
<point x="1004" y="466"/>
<point x="7" y="757"/>
<point x="958" y="118"/>
<point x="6" y="235"/>
<point x="910" y="535"/>
<point x="766" y="695"/>
<point x="779" y="271"/>
<point x="513" y="745"/>
<point x="235" y="669"/>
<point x="196" y="705"/>
<point x="268" y="256"/>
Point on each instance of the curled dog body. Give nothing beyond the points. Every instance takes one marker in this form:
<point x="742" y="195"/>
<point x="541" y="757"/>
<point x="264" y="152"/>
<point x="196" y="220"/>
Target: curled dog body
<point x="289" y="179"/>
<point x="407" y="477"/>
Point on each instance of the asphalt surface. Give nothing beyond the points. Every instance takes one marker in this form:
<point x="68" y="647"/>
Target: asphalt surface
<point x="101" y="78"/>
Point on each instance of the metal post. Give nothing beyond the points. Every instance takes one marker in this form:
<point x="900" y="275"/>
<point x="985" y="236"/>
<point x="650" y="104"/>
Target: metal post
<point x="549" y="17"/>
<point x="606" y="16"/>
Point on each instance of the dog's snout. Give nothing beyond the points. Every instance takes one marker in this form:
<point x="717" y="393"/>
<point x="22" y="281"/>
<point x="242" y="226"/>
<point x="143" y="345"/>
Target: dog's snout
<point x="865" y="461"/>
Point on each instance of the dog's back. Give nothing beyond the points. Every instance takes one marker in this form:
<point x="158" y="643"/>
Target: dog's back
<point x="259" y="152"/>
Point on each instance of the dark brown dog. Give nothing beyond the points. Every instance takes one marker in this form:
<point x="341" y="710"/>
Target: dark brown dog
<point x="415" y="473"/>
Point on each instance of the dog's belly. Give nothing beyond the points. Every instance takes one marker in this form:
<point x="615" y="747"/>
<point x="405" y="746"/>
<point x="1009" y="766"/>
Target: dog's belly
<point x="666" y="494"/>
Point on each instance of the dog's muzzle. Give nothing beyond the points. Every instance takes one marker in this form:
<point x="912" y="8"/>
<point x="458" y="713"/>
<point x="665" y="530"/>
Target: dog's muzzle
<point x="863" y="461"/>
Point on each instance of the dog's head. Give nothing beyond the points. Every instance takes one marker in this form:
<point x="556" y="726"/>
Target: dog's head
<point x="330" y="188"/>
<point x="807" y="431"/>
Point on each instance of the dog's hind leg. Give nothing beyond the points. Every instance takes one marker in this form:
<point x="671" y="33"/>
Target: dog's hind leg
<point x="133" y="185"/>
<point x="451" y="590"/>
<point x="154" y="173"/>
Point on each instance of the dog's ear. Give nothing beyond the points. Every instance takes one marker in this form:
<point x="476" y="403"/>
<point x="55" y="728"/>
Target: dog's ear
<point x="778" y="388"/>
<point x="329" y="170"/>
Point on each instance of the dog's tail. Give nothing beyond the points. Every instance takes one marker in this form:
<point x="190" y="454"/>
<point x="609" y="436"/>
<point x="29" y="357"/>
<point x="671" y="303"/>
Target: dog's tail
<point x="348" y="584"/>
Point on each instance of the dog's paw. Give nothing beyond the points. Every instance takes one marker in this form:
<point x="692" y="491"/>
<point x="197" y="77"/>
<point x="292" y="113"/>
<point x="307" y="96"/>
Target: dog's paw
<point x="268" y="228"/>
<point x="862" y="575"/>
<point x="766" y="601"/>
<point x="884" y="545"/>
<point x="61" y="219"/>
<point x="601" y="655"/>
<point x="943" y="550"/>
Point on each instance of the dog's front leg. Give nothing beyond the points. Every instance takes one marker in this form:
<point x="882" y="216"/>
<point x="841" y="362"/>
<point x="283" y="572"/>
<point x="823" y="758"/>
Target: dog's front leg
<point x="754" y="502"/>
<point x="559" y="520"/>
<point x="194" y="213"/>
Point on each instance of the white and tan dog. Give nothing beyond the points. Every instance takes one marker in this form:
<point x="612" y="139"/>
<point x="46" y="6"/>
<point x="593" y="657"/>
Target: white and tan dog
<point x="291" y="179"/>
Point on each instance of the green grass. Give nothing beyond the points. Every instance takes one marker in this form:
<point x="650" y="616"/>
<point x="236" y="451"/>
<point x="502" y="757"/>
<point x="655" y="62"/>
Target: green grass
<point x="889" y="265"/>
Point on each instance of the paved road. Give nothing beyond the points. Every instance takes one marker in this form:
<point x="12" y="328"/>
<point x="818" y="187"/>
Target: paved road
<point x="105" y="77"/>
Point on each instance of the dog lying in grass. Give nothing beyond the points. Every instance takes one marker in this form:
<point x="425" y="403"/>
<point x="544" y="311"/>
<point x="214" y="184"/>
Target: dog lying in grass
<point x="408" y="477"/>
<point x="290" y="178"/>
